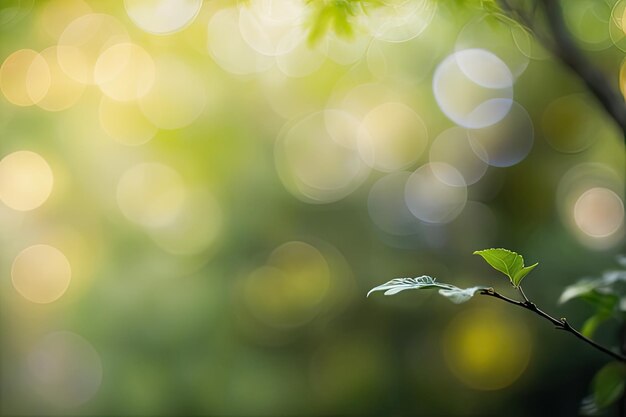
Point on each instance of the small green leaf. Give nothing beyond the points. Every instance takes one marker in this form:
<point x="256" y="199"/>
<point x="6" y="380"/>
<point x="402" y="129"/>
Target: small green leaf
<point x="451" y="292"/>
<point x="509" y="263"/>
<point x="608" y="384"/>
<point x="517" y="279"/>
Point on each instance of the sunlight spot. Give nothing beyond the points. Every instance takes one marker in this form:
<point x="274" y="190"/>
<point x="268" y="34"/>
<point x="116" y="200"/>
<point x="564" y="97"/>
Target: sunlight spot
<point x="178" y="96"/>
<point x="82" y="42"/>
<point x="65" y="369"/>
<point x="124" y="122"/>
<point x="486" y="352"/>
<point x="64" y="91"/>
<point x="162" y="17"/>
<point x="24" y="77"/>
<point x="323" y="136"/>
<point x="272" y="27"/>
<point x="571" y="124"/>
<point x="25" y="180"/>
<point x="56" y="15"/>
<point x="473" y="88"/>
<point x="194" y="229"/>
<point x="236" y="56"/>
<point x="151" y="194"/>
<point x="41" y="273"/>
<point x="506" y="142"/>
<point x="125" y="72"/>
<point x="599" y="212"/>
<point x="290" y="288"/>
<point x="392" y="137"/>
<point x="453" y="147"/>
<point x="436" y="197"/>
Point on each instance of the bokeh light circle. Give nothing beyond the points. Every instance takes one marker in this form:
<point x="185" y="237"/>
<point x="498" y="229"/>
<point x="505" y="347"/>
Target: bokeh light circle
<point x="599" y="212"/>
<point x="588" y="20"/>
<point x="485" y="351"/>
<point x="65" y="369"/>
<point x="288" y="291"/>
<point x="26" y="180"/>
<point x="235" y="56"/>
<point x="433" y="193"/>
<point x="495" y="34"/>
<point x="24" y="77"/>
<point x="329" y="136"/>
<point x="178" y="96"/>
<point x="506" y="142"/>
<point x="124" y="72"/>
<point x="401" y="22"/>
<point x="272" y="27"/>
<point x="151" y="194"/>
<point x="54" y="16"/>
<point x="64" y="91"/>
<point x="473" y="88"/>
<point x="161" y="17"/>
<point x="303" y="59"/>
<point x="453" y="147"/>
<point x="195" y="228"/>
<point x="590" y="200"/>
<point x="392" y="137"/>
<point x="41" y="273"/>
<point x="124" y="122"/>
<point x="83" y="41"/>
<point x="387" y="207"/>
<point x="617" y="25"/>
<point x="571" y="124"/>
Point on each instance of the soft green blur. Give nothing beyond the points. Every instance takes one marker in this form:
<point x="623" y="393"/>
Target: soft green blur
<point x="208" y="196"/>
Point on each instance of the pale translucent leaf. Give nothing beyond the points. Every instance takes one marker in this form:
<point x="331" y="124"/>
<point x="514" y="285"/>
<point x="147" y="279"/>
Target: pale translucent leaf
<point x="455" y="294"/>
<point x="458" y="295"/>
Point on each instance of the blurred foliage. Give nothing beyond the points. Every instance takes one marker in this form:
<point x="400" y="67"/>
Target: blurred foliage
<point x="225" y="193"/>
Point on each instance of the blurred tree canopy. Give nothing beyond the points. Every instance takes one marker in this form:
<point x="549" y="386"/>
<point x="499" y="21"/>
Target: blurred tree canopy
<point x="195" y="198"/>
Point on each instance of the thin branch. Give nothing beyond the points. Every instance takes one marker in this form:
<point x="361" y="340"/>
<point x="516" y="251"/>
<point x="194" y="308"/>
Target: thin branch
<point x="560" y="324"/>
<point x="596" y="81"/>
<point x="559" y="41"/>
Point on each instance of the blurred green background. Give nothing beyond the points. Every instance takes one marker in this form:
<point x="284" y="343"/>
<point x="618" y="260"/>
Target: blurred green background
<point x="195" y="199"/>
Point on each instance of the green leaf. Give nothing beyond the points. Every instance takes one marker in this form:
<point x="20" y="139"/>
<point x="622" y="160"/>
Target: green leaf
<point x="591" y="324"/>
<point x="608" y="384"/>
<point x="455" y="294"/>
<point x="578" y="289"/>
<point x="509" y="263"/>
<point x="604" y="299"/>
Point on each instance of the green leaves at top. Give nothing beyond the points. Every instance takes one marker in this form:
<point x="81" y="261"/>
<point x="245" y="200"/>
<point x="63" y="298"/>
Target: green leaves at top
<point x="509" y="263"/>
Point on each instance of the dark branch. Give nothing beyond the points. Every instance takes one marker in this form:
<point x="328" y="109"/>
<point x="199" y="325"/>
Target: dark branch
<point x="560" y="324"/>
<point x="568" y="52"/>
<point x="558" y="40"/>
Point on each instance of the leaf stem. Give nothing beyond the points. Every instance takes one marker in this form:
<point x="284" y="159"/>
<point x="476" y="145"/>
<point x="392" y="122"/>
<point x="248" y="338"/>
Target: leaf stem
<point x="560" y="324"/>
<point x="521" y="291"/>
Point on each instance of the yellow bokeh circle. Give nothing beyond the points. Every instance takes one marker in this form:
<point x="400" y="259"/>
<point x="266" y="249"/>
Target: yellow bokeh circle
<point x="486" y="350"/>
<point x="26" y="180"/>
<point x="124" y="72"/>
<point x="41" y="273"/>
<point x="24" y="77"/>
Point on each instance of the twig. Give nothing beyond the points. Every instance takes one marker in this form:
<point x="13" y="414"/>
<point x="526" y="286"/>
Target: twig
<point x="560" y="324"/>
<point x="559" y="41"/>
<point x="569" y="53"/>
